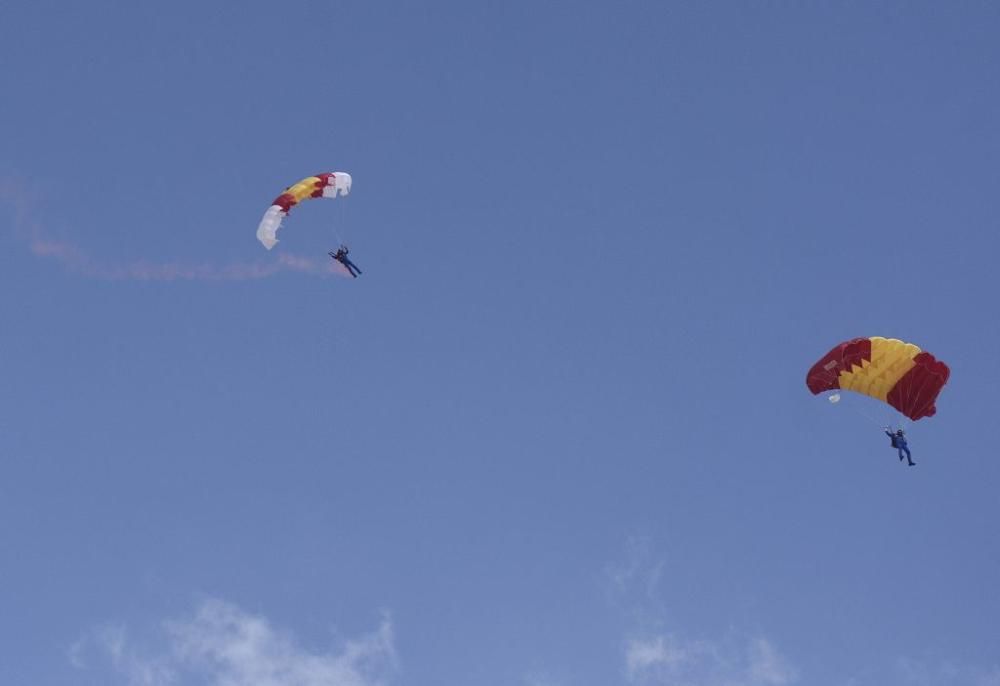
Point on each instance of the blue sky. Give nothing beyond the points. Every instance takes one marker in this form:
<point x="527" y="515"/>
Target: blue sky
<point x="557" y="433"/>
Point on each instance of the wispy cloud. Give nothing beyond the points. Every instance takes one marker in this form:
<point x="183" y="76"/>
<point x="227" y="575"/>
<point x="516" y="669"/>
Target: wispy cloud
<point x="911" y="672"/>
<point x="222" y="645"/>
<point x="638" y="572"/>
<point x="766" y="665"/>
<point x="134" y="666"/>
<point x="656" y="654"/>
<point x="671" y="660"/>
<point x="28" y="231"/>
<point x="632" y="584"/>
<point x="541" y="679"/>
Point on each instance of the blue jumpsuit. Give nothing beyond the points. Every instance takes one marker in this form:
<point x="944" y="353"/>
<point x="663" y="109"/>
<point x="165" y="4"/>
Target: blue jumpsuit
<point x="341" y="256"/>
<point x="351" y="267"/>
<point x="899" y="442"/>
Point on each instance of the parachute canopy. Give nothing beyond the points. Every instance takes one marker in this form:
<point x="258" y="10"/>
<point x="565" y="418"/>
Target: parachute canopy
<point x="897" y="373"/>
<point x="326" y="185"/>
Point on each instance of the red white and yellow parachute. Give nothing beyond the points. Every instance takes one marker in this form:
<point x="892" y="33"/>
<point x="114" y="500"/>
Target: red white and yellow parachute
<point x="897" y="373"/>
<point x="325" y="185"/>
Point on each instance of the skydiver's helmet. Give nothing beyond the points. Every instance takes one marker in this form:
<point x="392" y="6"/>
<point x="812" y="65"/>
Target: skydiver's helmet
<point x="899" y="432"/>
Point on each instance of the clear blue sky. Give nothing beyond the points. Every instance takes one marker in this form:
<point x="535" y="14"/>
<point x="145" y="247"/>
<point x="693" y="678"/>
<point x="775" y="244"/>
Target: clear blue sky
<point x="557" y="434"/>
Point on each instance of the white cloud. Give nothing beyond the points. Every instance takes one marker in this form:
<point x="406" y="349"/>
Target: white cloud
<point x="660" y="653"/>
<point x="536" y="679"/>
<point x="137" y="668"/>
<point x="910" y="672"/>
<point x="767" y="666"/>
<point x="667" y="660"/>
<point x="638" y="572"/>
<point x="222" y="645"/>
<point x="655" y="656"/>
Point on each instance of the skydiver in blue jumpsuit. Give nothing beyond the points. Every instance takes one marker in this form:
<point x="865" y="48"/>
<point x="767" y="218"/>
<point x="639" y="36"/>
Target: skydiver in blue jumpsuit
<point x="341" y="256"/>
<point x="899" y="442"/>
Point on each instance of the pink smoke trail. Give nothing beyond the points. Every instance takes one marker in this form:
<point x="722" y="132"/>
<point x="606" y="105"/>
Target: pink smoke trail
<point x="76" y="260"/>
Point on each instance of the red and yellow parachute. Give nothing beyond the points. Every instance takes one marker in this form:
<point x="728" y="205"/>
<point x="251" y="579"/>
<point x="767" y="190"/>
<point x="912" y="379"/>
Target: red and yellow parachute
<point x="325" y="185"/>
<point x="897" y="373"/>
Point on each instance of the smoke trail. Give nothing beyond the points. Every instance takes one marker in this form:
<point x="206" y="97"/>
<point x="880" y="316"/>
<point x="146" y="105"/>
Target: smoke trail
<point x="73" y="258"/>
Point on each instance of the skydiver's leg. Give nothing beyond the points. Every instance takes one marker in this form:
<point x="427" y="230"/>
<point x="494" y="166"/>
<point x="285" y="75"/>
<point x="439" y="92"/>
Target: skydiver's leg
<point x="900" y="454"/>
<point x="347" y="264"/>
<point x="353" y="267"/>
<point x="908" y="458"/>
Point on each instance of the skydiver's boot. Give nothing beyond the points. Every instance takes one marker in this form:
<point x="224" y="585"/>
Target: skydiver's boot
<point x="912" y="463"/>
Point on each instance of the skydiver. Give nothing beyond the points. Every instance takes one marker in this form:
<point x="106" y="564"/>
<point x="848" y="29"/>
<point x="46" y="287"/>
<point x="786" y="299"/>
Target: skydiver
<point x="341" y="256"/>
<point x="899" y="442"/>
